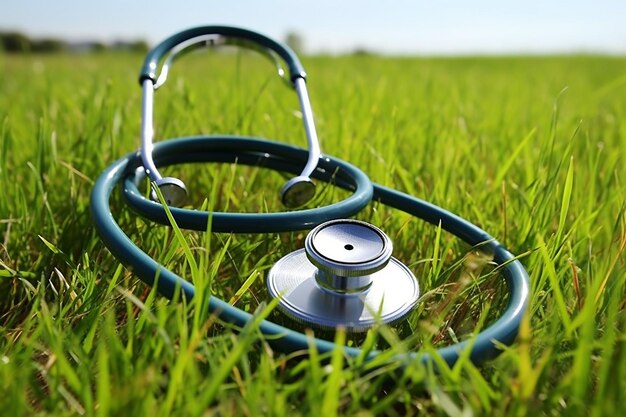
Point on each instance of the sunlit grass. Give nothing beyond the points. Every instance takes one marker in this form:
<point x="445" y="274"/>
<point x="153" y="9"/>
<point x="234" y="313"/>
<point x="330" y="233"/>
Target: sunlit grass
<point x="530" y="149"/>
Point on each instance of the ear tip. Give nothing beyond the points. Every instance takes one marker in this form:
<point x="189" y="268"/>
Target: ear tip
<point x="173" y="190"/>
<point x="297" y="191"/>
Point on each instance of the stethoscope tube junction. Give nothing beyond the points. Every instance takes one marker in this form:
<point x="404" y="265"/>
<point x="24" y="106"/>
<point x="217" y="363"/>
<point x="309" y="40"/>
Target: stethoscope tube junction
<point x="345" y="276"/>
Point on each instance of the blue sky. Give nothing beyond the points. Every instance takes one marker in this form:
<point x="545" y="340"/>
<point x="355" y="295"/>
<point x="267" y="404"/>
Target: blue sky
<point x="388" y="26"/>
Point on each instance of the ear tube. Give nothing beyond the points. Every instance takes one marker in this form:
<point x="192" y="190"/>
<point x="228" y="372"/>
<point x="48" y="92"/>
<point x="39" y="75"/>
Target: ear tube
<point x="173" y="190"/>
<point x="300" y="190"/>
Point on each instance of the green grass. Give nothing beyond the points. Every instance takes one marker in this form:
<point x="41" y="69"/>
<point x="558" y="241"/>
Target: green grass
<point x="531" y="149"/>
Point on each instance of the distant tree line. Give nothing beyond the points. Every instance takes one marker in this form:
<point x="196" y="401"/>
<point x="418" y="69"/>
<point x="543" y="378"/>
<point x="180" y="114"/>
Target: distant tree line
<point x="16" y="42"/>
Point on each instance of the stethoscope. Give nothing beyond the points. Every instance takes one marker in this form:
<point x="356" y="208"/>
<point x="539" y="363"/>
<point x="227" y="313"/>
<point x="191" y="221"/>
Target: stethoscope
<point x="345" y="276"/>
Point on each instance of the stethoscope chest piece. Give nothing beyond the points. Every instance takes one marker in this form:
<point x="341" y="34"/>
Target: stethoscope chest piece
<point x="344" y="277"/>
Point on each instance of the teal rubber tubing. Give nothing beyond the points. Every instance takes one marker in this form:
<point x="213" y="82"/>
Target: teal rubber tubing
<point x="483" y="346"/>
<point x="156" y="54"/>
<point x="250" y="151"/>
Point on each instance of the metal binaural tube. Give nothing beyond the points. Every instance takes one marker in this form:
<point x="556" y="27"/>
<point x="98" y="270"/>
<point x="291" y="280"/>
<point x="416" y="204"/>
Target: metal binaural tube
<point x="309" y="127"/>
<point x="147" y="130"/>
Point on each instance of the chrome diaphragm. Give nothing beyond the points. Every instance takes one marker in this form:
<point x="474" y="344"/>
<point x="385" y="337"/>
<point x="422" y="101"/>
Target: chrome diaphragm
<point x="344" y="277"/>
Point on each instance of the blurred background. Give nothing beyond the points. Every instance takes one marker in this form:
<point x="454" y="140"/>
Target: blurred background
<point x="401" y="27"/>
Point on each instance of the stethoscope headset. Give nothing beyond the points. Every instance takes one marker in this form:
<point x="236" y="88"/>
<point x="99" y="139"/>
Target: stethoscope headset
<point x="345" y="275"/>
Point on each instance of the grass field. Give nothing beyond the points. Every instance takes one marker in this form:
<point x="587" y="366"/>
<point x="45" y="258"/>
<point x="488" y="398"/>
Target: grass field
<point x="529" y="148"/>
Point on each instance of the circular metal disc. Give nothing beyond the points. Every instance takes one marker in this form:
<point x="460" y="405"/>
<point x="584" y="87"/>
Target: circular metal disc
<point x="348" y="243"/>
<point x="348" y="248"/>
<point x="392" y="295"/>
